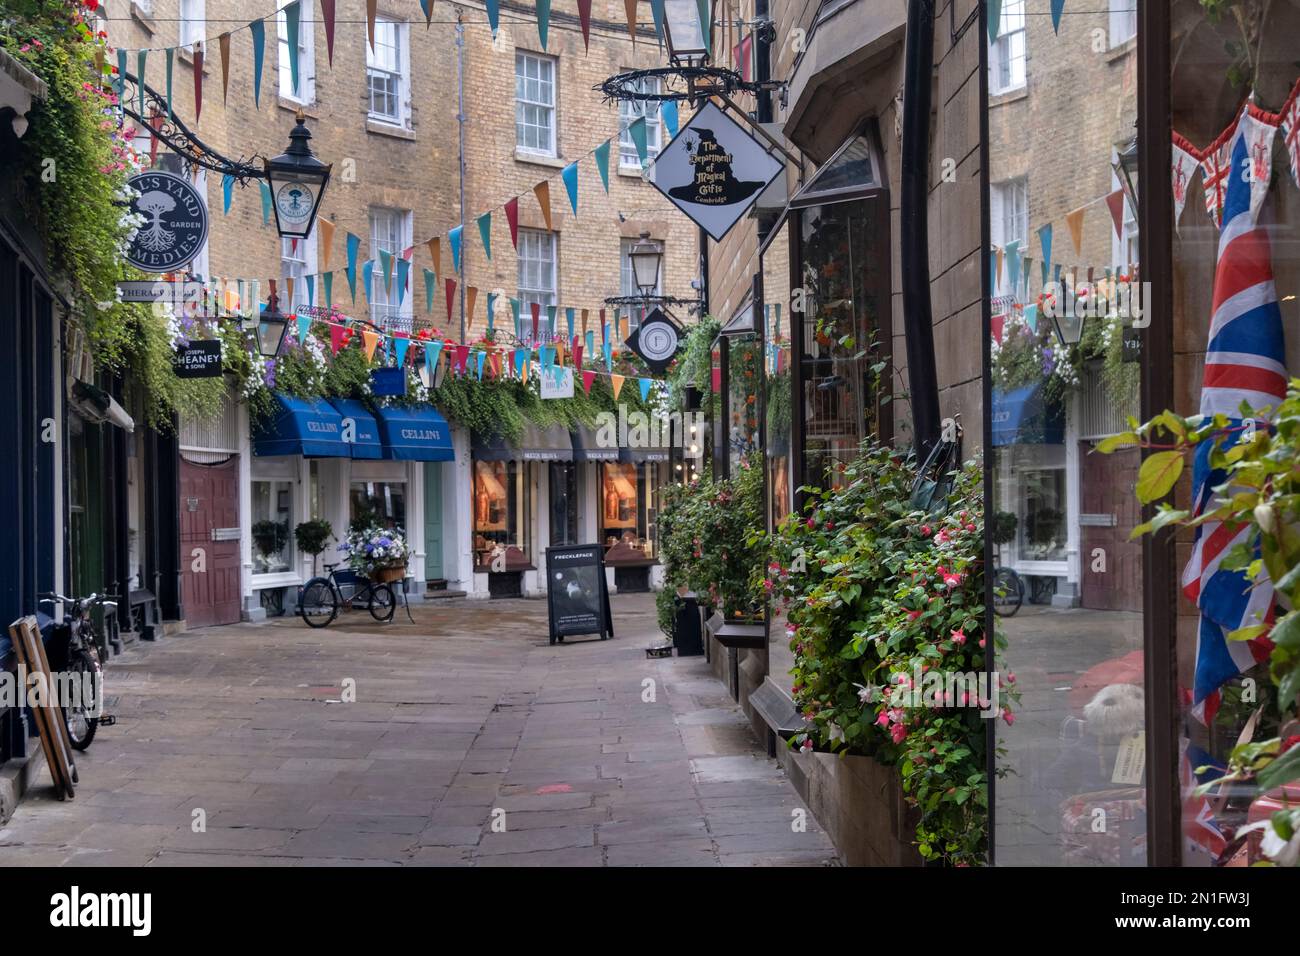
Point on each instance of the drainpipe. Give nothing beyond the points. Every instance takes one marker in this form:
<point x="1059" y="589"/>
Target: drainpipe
<point x="915" y="240"/>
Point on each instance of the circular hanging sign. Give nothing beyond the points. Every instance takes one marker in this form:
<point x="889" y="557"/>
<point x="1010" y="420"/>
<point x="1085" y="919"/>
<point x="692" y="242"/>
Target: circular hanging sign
<point x="656" y="340"/>
<point x="175" y="222"/>
<point x="294" y="202"/>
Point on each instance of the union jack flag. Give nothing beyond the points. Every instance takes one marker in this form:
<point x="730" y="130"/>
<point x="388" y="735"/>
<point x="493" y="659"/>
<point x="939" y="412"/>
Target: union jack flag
<point x="1290" y="131"/>
<point x="1199" y="825"/>
<point x="1244" y="362"/>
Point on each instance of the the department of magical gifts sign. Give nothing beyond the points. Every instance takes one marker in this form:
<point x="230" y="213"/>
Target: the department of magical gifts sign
<point x="713" y="170"/>
<point x="173" y="222"/>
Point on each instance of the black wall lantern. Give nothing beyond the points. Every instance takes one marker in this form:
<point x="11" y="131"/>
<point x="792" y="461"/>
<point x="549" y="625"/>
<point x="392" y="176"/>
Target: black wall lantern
<point x="271" y="326"/>
<point x="686" y="25"/>
<point x="298" y="180"/>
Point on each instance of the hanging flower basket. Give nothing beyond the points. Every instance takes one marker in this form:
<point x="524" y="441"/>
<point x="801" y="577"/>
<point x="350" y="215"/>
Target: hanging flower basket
<point x="377" y="553"/>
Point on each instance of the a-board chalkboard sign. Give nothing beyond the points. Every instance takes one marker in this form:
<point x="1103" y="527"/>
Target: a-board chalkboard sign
<point x="577" y="596"/>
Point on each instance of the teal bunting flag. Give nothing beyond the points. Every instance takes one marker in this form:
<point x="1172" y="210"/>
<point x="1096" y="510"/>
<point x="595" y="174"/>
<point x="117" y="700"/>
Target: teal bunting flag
<point x="568" y="318"/>
<point x="543" y="20"/>
<point x="403" y="274"/>
<point x="227" y="193"/>
<point x="995" y="20"/>
<point x="482" y="356"/>
<point x="591" y="343"/>
<point x="493" y="15"/>
<point x="1031" y="317"/>
<point x="430" y="280"/>
<point x="514" y="308"/>
<point x="491" y="311"/>
<point x="354" y="243"/>
<point x="1058" y="6"/>
<point x="304" y="327"/>
<point x="668" y="114"/>
<point x="170" y="57"/>
<point x="119" y="83"/>
<point x="570" y="176"/>
<point x="292" y="15"/>
<point x="454" y="236"/>
<point x="637" y="130"/>
<point x="602" y="164"/>
<point x="426" y="7"/>
<point x="266" y="200"/>
<point x="645" y="389"/>
<point x="327" y="280"/>
<point x="519" y="361"/>
<point x="1013" y="263"/>
<point x="367" y="278"/>
<point x="400" y="345"/>
<point x="485" y="233"/>
<point x="550" y="321"/>
<point x="311" y="290"/>
<point x="993" y="270"/>
<point x="609" y="358"/>
<point x="431" y="352"/>
<point x="706" y="22"/>
<point x="546" y="355"/>
<point x="386" y="264"/>
<point x="1045" y="243"/>
<point x="140" y="81"/>
<point x="657" y="11"/>
<point x="258" y="29"/>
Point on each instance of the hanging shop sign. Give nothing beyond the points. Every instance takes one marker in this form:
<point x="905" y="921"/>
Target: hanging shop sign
<point x="557" y="382"/>
<point x="387" y="381"/>
<point x="656" y="340"/>
<point x="184" y="294"/>
<point x="577" y="594"/>
<point x="174" y="226"/>
<point x="198" y="359"/>
<point x="713" y="170"/>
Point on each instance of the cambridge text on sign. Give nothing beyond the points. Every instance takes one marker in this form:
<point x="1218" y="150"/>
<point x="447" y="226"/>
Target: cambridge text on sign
<point x="713" y="171"/>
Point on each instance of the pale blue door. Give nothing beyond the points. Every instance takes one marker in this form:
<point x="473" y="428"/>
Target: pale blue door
<point x="433" y="521"/>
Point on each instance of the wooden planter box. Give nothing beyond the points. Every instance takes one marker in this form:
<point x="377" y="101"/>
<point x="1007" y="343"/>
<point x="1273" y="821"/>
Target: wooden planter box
<point x="389" y="575"/>
<point x="860" y="804"/>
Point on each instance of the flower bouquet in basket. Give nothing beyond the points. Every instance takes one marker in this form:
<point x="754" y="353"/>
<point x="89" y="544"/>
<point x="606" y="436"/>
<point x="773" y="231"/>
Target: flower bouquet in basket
<point x="376" y="553"/>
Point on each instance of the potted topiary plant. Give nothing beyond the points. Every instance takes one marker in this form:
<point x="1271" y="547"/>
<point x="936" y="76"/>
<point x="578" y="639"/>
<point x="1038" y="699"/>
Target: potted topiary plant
<point x="312" y="537"/>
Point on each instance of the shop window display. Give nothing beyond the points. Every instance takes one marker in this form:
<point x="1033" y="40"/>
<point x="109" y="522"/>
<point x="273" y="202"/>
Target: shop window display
<point x="627" y="511"/>
<point x="501" y="515"/>
<point x="378" y="504"/>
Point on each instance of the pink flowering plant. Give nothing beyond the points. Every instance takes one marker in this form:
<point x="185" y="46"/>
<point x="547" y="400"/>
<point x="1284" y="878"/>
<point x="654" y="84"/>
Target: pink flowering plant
<point x="885" y="610"/>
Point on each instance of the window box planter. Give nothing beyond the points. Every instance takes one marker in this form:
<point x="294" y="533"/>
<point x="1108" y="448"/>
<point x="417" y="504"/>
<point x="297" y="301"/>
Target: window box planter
<point x="739" y="633"/>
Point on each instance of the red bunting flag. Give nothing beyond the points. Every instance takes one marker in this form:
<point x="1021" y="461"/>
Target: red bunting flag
<point x="327" y="14"/>
<point x="462" y="356"/>
<point x="577" y="353"/>
<point x="584" y="18"/>
<point x="451" y="294"/>
<point x="336" y="337"/>
<point x="537" y="313"/>
<point x="198" y="80"/>
<point x="1116" y="203"/>
<point x="512" y="217"/>
<point x="587" y="379"/>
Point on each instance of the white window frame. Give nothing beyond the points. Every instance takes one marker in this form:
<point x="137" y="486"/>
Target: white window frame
<point x="390" y="230"/>
<point x="533" y="241"/>
<point x="1123" y="21"/>
<point x="193" y="23"/>
<point x="1008" y="55"/>
<point x="629" y="110"/>
<point x="298" y="265"/>
<point x="1006" y="224"/>
<point x="525" y="102"/>
<point x="401" y="76"/>
<point x="306" y="92"/>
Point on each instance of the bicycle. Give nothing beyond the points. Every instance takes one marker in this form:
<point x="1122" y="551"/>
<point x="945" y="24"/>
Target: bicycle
<point x="322" y="597"/>
<point x="75" y="653"/>
<point x="1008" y="592"/>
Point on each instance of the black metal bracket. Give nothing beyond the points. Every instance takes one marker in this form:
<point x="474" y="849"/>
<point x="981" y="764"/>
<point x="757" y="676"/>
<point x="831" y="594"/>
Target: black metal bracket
<point x="179" y="138"/>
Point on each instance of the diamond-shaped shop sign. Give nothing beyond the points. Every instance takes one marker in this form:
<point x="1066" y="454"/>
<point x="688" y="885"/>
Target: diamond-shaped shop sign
<point x="713" y="170"/>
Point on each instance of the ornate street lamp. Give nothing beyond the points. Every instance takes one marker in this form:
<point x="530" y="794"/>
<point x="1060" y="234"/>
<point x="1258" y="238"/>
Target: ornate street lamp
<point x="298" y="181"/>
<point x="1069" y="317"/>
<point x="686" y="31"/>
<point x="646" y="257"/>
<point x="1127" y="170"/>
<point x="271" y="326"/>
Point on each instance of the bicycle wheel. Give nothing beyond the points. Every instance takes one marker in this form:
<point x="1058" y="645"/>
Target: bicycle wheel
<point x="83" y="704"/>
<point x="319" y="603"/>
<point x="382" y="603"/>
<point x="1008" y="592"/>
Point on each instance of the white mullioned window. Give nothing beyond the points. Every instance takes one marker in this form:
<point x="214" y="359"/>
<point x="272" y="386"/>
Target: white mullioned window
<point x="628" y="111"/>
<point x="537" y="270"/>
<point x="298" y="260"/>
<point x="535" y="103"/>
<point x="1123" y="21"/>
<point x="1007" y="55"/>
<point x="1009" y="221"/>
<point x="306" y="91"/>
<point x="390" y="231"/>
<point x="193" y="22"/>
<point x="388" y="73"/>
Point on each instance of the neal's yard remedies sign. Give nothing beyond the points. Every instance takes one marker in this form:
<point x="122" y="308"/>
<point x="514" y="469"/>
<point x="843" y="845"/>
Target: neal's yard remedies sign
<point x="198" y="359"/>
<point x="174" y="222"/>
<point x="576" y="593"/>
<point x="713" y="170"/>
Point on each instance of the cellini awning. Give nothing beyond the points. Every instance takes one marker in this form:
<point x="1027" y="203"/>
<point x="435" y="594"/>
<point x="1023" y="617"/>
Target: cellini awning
<point x="418" y="433"/>
<point x="360" y="426"/>
<point x="301" y="426"/>
<point x="1025" y="416"/>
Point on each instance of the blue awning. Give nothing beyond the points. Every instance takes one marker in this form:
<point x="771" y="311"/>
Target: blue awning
<point x="300" y="426"/>
<point x="366" y="442"/>
<point x="1024" y="416"/>
<point x="418" y="433"/>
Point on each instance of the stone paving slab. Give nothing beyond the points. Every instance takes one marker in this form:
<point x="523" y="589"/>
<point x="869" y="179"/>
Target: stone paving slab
<point x="472" y="742"/>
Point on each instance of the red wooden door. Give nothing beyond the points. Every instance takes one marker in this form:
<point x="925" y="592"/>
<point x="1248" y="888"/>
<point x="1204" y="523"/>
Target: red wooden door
<point x="210" y="542"/>
<point x="1110" y="564"/>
